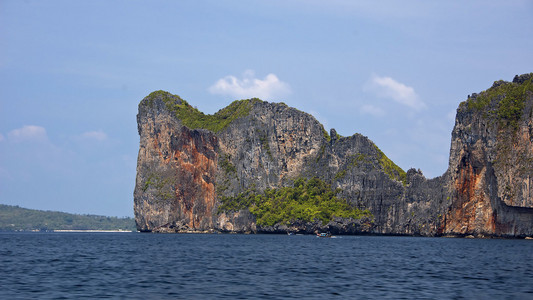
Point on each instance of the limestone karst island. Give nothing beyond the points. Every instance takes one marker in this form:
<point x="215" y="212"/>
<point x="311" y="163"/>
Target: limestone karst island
<point x="259" y="167"/>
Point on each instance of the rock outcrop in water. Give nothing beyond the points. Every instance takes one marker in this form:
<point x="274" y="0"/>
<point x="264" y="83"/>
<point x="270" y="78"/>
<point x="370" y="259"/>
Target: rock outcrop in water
<point x="190" y="163"/>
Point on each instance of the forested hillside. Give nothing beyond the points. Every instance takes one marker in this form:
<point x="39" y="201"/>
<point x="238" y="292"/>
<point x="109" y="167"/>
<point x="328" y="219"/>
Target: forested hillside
<point x="15" y="218"/>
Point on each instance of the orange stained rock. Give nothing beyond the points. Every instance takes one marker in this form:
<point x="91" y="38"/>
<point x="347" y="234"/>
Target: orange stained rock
<point x="471" y="210"/>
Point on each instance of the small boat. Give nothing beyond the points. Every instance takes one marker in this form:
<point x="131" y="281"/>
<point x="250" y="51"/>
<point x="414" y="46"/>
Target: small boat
<point x="324" y="234"/>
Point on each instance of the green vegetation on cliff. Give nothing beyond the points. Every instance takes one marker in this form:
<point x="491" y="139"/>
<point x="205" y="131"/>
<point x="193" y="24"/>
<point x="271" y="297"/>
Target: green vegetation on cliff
<point x="325" y="133"/>
<point x="162" y="185"/>
<point x="391" y="168"/>
<point x="504" y="100"/>
<point x="225" y="163"/>
<point x="14" y="218"/>
<point x="195" y="119"/>
<point x="306" y="200"/>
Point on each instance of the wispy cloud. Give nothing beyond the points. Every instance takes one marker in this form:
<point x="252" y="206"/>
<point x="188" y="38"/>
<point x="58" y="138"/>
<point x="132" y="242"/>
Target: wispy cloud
<point x="94" y="136"/>
<point x="249" y="86"/>
<point x="30" y="133"/>
<point x="372" y="110"/>
<point x="387" y="87"/>
<point x="2" y="138"/>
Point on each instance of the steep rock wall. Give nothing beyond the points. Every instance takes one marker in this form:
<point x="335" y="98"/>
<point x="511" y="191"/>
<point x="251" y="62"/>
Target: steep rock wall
<point x="176" y="171"/>
<point x="491" y="162"/>
<point x="401" y="203"/>
<point x="267" y="148"/>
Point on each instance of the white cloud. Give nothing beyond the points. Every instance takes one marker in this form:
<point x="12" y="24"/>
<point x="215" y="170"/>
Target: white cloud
<point x="372" y="110"/>
<point x="94" y="136"/>
<point x="28" y="133"/>
<point x="249" y="86"/>
<point x="387" y="87"/>
<point x="2" y="137"/>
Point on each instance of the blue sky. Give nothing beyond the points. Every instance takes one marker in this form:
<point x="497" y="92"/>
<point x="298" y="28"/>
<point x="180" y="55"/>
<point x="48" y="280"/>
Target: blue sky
<point x="73" y="72"/>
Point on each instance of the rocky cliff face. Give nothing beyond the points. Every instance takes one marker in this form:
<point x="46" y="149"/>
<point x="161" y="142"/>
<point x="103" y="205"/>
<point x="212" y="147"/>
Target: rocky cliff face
<point x="491" y="162"/>
<point x="176" y="169"/>
<point x="188" y="162"/>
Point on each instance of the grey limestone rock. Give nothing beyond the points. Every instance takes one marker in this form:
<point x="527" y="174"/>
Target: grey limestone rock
<point x="186" y="167"/>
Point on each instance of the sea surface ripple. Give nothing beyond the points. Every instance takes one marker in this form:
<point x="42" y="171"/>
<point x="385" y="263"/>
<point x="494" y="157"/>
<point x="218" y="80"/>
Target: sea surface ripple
<point x="231" y="266"/>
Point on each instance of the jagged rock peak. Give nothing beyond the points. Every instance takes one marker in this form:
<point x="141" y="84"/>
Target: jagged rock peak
<point x="522" y="78"/>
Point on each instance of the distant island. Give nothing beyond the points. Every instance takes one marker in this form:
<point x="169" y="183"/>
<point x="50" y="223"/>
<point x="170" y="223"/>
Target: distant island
<point x="15" y="218"/>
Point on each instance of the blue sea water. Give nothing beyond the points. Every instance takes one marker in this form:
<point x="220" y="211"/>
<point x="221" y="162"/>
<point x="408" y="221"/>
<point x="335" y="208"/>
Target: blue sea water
<point x="228" y="266"/>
